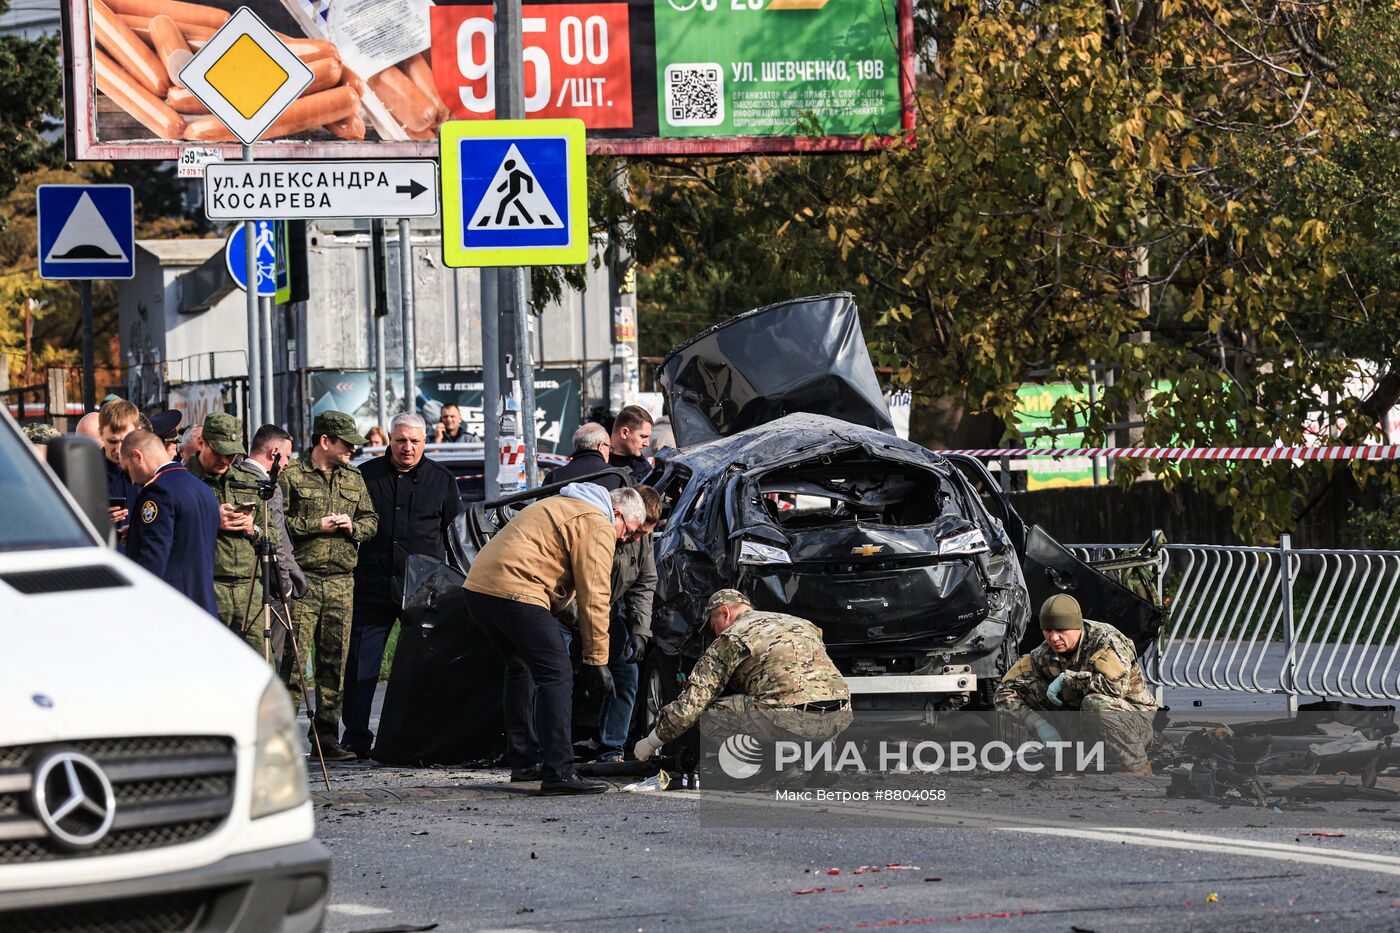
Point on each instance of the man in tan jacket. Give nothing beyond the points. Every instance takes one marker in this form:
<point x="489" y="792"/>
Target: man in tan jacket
<point x="554" y="551"/>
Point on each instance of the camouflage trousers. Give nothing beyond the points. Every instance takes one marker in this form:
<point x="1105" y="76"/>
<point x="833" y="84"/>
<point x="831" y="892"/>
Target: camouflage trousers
<point x="233" y="600"/>
<point x="1124" y="728"/>
<point x="322" y="622"/>
<point x="739" y="714"/>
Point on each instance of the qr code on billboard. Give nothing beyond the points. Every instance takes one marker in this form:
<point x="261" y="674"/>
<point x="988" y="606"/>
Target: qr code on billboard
<point x="695" y="94"/>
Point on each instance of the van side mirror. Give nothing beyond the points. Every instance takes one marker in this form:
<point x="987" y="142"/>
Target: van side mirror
<point x="79" y="464"/>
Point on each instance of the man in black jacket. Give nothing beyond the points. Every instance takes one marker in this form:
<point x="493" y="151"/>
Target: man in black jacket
<point x="417" y="500"/>
<point x="591" y="448"/>
<point x="630" y="434"/>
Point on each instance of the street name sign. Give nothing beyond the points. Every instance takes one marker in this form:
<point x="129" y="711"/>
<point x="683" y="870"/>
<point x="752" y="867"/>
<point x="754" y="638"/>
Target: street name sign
<point x="514" y="193"/>
<point x="246" y="76"/>
<point x="86" y="232"/>
<point x="304" y="190"/>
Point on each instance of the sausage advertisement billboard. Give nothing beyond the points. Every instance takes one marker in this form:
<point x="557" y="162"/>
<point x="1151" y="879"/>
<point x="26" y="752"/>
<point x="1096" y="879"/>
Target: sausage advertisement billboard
<point x="661" y="77"/>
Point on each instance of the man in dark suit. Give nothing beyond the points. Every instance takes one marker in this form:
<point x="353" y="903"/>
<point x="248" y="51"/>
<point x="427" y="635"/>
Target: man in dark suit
<point x="175" y="521"/>
<point x="591" y="448"/>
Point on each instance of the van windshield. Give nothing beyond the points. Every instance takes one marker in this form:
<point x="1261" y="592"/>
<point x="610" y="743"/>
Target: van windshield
<point x="33" y="515"/>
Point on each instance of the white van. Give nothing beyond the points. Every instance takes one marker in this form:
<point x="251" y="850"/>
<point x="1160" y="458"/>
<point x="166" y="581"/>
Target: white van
<point x="151" y="774"/>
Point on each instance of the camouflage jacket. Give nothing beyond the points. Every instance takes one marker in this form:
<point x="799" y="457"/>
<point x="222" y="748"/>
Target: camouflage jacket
<point x="309" y="495"/>
<point x="778" y="660"/>
<point x="234" y="554"/>
<point x="1103" y="662"/>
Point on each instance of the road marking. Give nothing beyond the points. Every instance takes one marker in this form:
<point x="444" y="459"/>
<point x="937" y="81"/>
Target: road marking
<point x="357" y="910"/>
<point x="1150" y="838"/>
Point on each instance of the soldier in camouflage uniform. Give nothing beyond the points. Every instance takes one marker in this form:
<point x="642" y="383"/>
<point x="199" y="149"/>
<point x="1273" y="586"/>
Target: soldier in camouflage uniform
<point x="237" y="577"/>
<point x="329" y="515"/>
<point x="778" y="669"/>
<point x="1086" y="666"/>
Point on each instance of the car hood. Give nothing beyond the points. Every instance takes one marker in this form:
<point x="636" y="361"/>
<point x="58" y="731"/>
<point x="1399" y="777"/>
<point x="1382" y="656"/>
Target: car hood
<point x="805" y="355"/>
<point x="129" y="660"/>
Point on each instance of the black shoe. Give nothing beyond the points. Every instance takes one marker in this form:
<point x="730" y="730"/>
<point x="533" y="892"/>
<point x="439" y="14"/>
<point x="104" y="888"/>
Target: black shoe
<point x="571" y="786"/>
<point x="334" y="751"/>
<point x="520" y="775"/>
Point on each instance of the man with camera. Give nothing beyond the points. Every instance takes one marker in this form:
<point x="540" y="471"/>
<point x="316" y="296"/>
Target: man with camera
<point x="270" y="451"/>
<point x="237" y="577"/>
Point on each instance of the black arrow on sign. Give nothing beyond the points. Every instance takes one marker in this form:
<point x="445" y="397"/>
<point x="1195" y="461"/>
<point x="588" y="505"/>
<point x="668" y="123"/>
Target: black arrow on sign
<point x="412" y="189"/>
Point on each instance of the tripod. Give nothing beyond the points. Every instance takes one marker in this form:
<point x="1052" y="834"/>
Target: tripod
<point x="273" y="598"/>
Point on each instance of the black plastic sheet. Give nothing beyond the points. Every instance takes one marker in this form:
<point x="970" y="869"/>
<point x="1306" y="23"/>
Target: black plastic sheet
<point x="805" y="355"/>
<point x="443" y="704"/>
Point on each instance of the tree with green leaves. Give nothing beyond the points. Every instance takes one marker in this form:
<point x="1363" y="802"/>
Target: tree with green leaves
<point x="1199" y="192"/>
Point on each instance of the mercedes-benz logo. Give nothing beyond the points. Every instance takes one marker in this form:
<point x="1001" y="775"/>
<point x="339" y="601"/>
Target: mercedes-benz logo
<point x="74" y="799"/>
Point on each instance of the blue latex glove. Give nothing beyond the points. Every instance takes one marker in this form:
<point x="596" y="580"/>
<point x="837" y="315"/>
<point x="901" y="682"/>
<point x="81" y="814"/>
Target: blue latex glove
<point x="1052" y="692"/>
<point x="1046" y="733"/>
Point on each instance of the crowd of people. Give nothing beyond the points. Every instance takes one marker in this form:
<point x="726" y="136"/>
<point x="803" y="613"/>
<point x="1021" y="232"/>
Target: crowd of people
<point x="564" y="591"/>
<point x="572" y="576"/>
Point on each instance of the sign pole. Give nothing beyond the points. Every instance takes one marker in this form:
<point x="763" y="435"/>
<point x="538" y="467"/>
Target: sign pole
<point x="410" y="349"/>
<point x="491" y="381"/>
<point x="250" y="257"/>
<point x="510" y="105"/>
<point x="379" y="309"/>
<point x="89" y="373"/>
<point x="268" y="404"/>
<point x="525" y="366"/>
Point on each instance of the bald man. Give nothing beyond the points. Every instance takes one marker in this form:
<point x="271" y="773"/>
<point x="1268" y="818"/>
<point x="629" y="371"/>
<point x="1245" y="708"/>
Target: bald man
<point x="88" y="426"/>
<point x="175" y="522"/>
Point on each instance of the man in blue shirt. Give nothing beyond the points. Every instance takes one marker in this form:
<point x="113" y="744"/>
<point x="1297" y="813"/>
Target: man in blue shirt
<point x="175" y="521"/>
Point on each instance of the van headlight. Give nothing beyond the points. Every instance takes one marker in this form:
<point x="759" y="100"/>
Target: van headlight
<point x="279" y="770"/>
<point x="967" y="542"/>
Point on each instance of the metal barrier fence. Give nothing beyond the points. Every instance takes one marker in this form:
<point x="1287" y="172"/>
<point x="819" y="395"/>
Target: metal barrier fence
<point x="1277" y="620"/>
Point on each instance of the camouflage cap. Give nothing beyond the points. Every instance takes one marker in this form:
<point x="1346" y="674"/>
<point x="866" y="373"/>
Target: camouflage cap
<point x="338" y="424"/>
<point x="223" y="434"/>
<point x="725" y="598"/>
<point x="1061" y="612"/>
<point x="41" y="433"/>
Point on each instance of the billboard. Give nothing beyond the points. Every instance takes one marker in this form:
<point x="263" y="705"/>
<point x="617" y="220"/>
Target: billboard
<point x="558" y="402"/>
<point x="658" y="77"/>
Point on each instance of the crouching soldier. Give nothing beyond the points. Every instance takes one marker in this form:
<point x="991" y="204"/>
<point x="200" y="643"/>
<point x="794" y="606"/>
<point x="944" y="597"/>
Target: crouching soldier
<point x="777" y="670"/>
<point x="1089" y="667"/>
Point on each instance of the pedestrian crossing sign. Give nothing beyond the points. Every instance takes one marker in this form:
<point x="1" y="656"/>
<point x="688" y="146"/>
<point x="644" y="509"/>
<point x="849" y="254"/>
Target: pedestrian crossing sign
<point x="514" y="193"/>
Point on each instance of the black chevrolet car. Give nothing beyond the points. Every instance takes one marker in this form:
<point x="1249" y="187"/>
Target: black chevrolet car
<point x="789" y="484"/>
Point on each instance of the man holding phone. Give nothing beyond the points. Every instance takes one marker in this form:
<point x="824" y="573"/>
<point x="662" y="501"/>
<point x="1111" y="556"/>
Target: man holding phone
<point x="237" y="582"/>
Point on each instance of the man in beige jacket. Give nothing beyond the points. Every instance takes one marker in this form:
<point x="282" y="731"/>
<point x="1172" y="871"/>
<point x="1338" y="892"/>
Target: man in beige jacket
<point x="554" y="551"/>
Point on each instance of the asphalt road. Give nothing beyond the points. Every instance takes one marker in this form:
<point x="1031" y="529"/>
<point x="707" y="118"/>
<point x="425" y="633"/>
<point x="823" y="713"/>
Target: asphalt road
<point x="502" y="860"/>
<point x="466" y="851"/>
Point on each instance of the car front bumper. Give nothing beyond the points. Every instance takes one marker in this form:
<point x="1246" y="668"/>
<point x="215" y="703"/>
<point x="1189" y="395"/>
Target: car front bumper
<point x="282" y="890"/>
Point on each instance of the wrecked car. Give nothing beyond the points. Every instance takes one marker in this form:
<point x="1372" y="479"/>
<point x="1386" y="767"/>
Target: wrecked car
<point x="789" y="484"/>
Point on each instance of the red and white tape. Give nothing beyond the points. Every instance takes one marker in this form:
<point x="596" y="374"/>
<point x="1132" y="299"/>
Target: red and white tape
<point x="1356" y="452"/>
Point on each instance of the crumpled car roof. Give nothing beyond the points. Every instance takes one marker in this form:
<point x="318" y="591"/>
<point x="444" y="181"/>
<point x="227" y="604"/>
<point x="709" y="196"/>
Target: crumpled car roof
<point x="797" y="436"/>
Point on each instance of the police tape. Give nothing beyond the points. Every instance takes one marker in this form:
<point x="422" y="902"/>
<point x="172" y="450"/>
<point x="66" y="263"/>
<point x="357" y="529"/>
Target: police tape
<point x="1353" y="452"/>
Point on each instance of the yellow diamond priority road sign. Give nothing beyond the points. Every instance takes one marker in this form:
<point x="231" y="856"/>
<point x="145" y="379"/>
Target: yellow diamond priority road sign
<point x="246" y="76"/>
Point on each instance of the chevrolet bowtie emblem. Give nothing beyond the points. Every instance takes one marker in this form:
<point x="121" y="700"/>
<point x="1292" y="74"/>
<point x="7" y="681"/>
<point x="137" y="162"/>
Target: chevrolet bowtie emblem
<point x="868" y="550"/>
